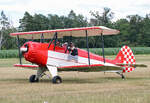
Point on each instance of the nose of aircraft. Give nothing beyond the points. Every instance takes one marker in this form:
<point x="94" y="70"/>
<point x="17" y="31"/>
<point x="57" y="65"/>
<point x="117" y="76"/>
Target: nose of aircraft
<point x="23" y="49"/>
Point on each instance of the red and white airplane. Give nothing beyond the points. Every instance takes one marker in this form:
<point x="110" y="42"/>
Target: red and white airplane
<point x="54" y="58"/>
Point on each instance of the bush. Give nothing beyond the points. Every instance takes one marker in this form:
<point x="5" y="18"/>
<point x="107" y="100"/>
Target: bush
<point x="8" y="53"/>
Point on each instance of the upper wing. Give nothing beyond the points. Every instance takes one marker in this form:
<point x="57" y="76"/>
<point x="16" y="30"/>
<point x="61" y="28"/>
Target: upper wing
<point x="76" y="32"/>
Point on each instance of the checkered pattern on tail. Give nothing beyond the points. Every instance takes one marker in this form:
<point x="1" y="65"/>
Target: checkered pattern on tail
<point x="126" y="57"/>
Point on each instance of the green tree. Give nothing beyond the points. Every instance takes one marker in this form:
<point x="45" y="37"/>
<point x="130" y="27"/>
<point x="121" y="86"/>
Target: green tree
<point x="134" y="28"/>
<point x="55" y="22"/>
<point x="123" y="26"/>
<point x="5" y="29"/>
<point x="145" y="31"/>
<point x="102" y="18"/>
<point x="40" y="22"/>
<point x="74" y="20"/>
<point x="26" y="23"/>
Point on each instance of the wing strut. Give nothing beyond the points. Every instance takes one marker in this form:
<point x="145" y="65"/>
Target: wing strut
<point x="87" y="45"/>
<point x="55" y="41"/>
<point x="52" y="39"/>
<point x="42" y="38"/>
<point x="32" y="37"/>
<point x="18" y="44"/>
<point x="103" y="47"/>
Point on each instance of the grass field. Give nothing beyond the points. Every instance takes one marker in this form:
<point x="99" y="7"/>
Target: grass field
<point x="93" y="87"/>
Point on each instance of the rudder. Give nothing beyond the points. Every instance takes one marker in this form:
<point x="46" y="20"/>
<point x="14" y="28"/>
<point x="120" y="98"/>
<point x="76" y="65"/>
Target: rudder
<point x="126" y="58"/>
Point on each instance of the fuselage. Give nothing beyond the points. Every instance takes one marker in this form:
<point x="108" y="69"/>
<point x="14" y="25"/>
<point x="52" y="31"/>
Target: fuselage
<point x="40" y="54"/>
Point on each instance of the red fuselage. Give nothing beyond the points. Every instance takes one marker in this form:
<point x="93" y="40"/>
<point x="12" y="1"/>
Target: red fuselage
<point x="38" y="53"/>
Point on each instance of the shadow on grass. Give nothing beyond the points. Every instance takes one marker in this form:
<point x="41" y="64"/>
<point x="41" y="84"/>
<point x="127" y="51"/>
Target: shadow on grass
<point x="79" y="80"/>
<point x="103" y="79"/>
<point x="137" y="78"/>
<point x="14" y="80"/>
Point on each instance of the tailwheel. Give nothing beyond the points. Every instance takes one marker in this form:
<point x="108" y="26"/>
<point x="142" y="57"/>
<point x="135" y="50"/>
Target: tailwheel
<point x="121" y="74"/>
<point x="33" y="79"/>
<point x="57" y="80"/>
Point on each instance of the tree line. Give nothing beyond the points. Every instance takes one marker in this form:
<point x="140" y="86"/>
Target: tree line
<point x="134" y="29"/>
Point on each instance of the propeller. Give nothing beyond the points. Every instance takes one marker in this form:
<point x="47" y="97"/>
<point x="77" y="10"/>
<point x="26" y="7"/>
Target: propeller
<point x="20" y="53"/>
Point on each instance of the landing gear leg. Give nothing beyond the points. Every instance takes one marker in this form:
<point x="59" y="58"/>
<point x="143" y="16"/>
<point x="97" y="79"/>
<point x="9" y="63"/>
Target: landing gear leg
<point x="35" y="78"/>
<point x="53" y="70"/>
<point x="121" y="74"/>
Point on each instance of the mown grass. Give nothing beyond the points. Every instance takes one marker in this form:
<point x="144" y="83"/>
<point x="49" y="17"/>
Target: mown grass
<point x="108" y="51"/>
<point x="92" y="87"/>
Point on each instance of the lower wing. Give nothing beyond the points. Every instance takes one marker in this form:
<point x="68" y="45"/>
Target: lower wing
<point x="81" y="68"/>
<point x="30" y="66"/>
<point x="90" y="68"/>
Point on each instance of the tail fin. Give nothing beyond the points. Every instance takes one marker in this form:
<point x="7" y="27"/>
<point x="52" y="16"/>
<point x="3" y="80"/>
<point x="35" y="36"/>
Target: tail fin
<point x="126" y="58"/>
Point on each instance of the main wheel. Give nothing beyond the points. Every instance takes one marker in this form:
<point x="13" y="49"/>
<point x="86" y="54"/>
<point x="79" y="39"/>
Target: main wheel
<point x="33" y="79"/>
<point x="57" y="80"/>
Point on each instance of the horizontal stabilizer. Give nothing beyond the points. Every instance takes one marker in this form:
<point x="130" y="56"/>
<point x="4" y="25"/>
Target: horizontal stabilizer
<point x="133" y="65"/>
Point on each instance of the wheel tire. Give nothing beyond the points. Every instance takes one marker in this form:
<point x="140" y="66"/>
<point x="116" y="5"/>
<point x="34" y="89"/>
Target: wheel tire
<point x="57" y="80"/>
<point x="123" y="77"/>
<point x="33" y="79"/>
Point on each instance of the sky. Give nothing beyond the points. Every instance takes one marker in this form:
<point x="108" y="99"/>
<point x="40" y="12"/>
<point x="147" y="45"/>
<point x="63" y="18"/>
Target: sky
<point x="15" y="9"/>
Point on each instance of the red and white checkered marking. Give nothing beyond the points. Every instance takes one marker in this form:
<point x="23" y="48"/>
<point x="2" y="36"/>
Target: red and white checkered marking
<point x="128" y="58"/>
<point x="128" y="69"/>
<point x="128" y="55"/>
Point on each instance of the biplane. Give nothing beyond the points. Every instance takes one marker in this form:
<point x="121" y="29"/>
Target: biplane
<point x="54" y="58"/>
